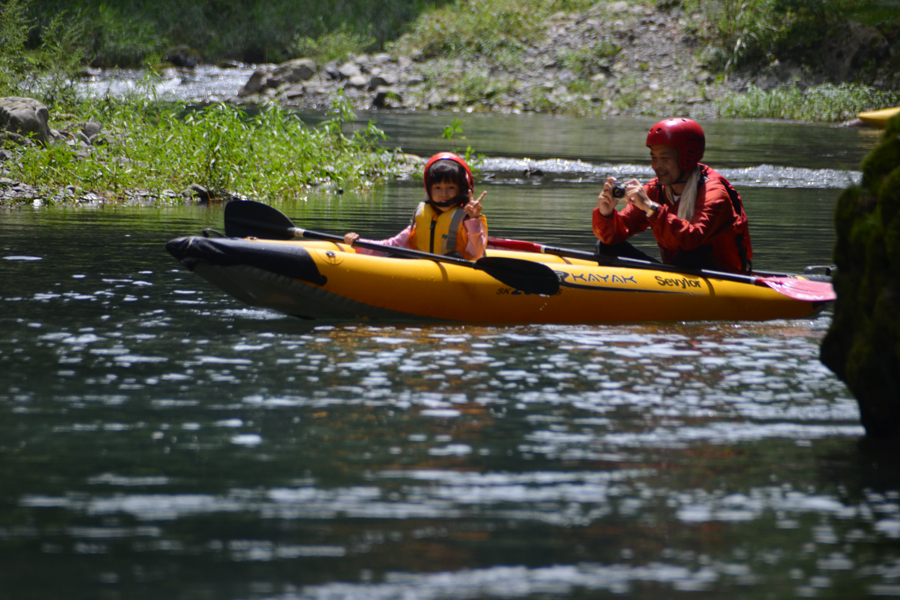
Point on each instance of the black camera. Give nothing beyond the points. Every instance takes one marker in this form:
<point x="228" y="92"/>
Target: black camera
<point x="618" y="190"/>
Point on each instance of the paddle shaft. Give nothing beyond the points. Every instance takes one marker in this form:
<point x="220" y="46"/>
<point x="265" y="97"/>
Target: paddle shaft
<point x="254" y="219"/>
<point x="634" y="263"/>
<point x="407" y="252"/>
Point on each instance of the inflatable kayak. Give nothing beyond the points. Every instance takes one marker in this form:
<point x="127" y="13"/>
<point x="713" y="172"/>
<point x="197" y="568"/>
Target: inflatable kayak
<point x="330" y="280"/>
<point x="879" y="118"/>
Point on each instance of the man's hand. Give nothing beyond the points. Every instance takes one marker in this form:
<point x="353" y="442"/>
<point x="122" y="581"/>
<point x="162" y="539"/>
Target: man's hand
<point x="605" y="200"/>
<point x="637" y="195"/>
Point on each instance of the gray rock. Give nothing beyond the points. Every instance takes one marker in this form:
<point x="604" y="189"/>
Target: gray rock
<point x="255" y="83"/>
<point x="386" y="97"/>
<point x="348" y="70"/>
<point x="197" y="192"/>
<point x="382" y="80"/>
<point x="25" y="117"/>
<point x="91" y="129"/>
<point x="358" y="81"/>
<point x="299" y="69"/>
<point x="272" y="82"/>
<point x="704" y="77"/>
<point x="332" y="71"/>
<point x="293" y="92"/>
<point x="15" y="191"/>
<point x="363" y="61"/>
<point x="434" y="98"/>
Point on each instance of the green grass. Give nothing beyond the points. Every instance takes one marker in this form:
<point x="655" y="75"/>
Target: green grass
<point x="152" y="147"/>
<point x="829" y="103"/>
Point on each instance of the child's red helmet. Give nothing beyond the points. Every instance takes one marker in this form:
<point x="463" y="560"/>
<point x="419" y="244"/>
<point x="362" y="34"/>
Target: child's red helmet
<point x="684" y="134"/>
<point x="448" y="156"/>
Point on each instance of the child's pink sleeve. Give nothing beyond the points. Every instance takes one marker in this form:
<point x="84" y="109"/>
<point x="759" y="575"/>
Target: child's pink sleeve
<point x="401" y="240"/>
<point x="478" y="237"/>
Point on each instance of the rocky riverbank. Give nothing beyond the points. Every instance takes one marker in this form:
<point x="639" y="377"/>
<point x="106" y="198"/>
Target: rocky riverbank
<point x="614" y="60"/>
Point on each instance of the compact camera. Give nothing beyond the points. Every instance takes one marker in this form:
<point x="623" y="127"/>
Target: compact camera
<point x="618" y="190"/>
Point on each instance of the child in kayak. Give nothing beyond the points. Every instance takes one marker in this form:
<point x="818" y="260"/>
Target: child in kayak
<point x="449" y="221"/>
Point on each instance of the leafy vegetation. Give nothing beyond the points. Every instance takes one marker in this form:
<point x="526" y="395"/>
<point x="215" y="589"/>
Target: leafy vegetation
<point x="759" y="31"/>
<point x="133" y="32"/>
<point x="156" y="148"/>
<point x="822" y="103"/>
<point x="335" y="45"/>
<point x="153" y="148"/>
<point x="46" y="72"/>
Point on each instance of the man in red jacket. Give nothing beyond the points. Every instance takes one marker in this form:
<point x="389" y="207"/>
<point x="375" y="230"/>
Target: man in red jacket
<point x="696" y="216"/>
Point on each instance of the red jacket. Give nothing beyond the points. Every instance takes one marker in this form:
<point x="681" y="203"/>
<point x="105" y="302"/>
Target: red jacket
<point x="718" y="220"/>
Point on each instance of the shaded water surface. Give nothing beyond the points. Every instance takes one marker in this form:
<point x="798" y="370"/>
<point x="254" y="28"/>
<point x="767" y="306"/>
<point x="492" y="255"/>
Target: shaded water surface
<point x="161" y="440"/>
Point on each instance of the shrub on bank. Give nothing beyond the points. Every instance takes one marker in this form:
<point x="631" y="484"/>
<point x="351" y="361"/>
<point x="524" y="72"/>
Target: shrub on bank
<point x="748" y="32"/>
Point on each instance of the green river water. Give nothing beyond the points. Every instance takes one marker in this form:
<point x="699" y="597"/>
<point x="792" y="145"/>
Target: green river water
<point x="161" y="440"/>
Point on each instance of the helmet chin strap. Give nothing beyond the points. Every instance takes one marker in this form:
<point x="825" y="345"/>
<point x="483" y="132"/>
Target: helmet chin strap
<point x="448" y="204"/>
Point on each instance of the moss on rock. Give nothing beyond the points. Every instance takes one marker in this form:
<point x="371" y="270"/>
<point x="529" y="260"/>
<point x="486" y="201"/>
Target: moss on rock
<point x="863" y="344"/>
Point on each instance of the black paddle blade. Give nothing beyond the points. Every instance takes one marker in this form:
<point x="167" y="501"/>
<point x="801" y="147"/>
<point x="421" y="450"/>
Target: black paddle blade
<point x="524" y="275"/>
<point x="245" y="218"/>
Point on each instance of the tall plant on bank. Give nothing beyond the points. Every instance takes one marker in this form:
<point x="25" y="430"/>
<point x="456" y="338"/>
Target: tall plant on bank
<point x="48" y="71"/>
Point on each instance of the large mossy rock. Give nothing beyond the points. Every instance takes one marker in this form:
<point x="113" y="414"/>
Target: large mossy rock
<point x="862" y="346"/>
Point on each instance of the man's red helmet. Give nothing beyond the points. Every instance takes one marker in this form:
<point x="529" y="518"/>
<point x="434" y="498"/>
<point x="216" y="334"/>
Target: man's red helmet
<point x="684" y="134"/>
<point x="470" y="181"/>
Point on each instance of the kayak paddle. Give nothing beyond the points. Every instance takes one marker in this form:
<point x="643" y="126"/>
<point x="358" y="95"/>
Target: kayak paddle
<point x="792" y="287"/>
<point x="246" y="218"/>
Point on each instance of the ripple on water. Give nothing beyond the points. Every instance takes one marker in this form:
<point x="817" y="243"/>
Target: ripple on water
<point x="758" y="176"/>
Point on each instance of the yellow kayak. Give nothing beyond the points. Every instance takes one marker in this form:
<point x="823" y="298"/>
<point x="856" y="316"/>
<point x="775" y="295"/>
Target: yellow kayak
<point x="330" y="280"/>
<point x="879" y="118"/>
